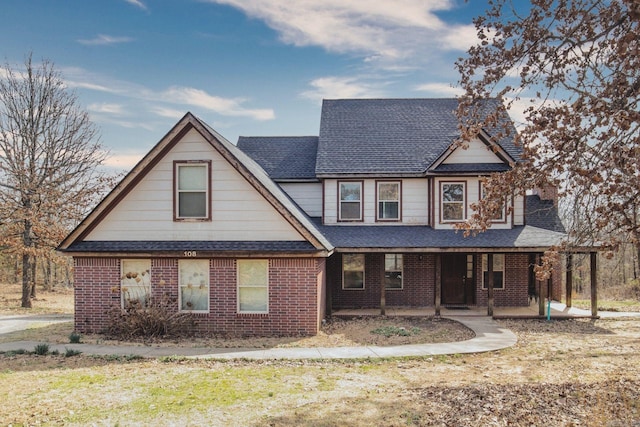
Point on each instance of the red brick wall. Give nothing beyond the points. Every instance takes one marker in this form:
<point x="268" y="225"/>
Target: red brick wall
<point x="418" y="283"/>
<point x="516" y="277"/>
<point x="293" y="296"/>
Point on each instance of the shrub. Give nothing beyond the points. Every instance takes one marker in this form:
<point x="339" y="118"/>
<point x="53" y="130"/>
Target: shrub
<point x="389" y="331"/>
<point x="158" y="317"/>
<point x="41" y="349"/>
<point x="71" y="352"/>
<point x="74" y="338"/>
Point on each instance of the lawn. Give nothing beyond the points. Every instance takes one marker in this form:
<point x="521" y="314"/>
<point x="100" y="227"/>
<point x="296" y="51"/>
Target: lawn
<point x="561" y="373"/>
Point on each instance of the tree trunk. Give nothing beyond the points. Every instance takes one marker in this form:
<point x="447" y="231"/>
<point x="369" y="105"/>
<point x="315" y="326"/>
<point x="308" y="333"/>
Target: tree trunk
<point x="34" y="270"/>
<point x="26" y="282"/>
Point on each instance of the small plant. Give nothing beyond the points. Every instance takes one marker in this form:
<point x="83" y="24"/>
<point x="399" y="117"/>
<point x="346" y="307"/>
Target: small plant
<point x="74" y="338"/>
<point x="41" y="349"/>
<point x="70" y="352"/>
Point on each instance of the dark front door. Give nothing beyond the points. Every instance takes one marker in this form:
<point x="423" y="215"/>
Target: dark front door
<point x="457" y="279"/>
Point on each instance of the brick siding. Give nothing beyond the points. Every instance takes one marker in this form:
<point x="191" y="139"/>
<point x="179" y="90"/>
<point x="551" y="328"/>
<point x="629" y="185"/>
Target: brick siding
<point x="294" y="286"/>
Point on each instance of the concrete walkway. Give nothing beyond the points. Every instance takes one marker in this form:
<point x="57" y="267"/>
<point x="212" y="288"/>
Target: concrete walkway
<point x="489" y="337"/>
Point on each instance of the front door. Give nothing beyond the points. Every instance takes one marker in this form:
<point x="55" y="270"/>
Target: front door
<point x="457" y="279"/>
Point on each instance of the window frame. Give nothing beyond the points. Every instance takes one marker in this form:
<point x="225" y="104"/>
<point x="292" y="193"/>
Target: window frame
<point x="379" y="200"/>
<point x="463" y="202"/>
<point x="181" y="285"/>
<point x="177" y="164"/>
<point x="131" y="282"/>
<point x="353" y="288"/>
<point x="484" y="268"/>
<point x="240" y="286"/>
<point x="360" y="201"/>
<point x="395" y="270"/>
<point x="503" y="216"/>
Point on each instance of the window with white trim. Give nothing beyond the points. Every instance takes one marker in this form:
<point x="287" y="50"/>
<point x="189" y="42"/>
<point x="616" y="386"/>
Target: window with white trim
<point x="353" y="271"/>
<point x="388" y="201"/>
<point x="393" y="271"/>
<point x="498" y="271"/>
<point x="135" y="282"/>
<point x="499" y="216"/>
<point x="350" y="195"/>
<point x="452" y="201"/>
<point x="193" y="283"/>
<point x="253" y="286"/>
<point x="192" y="190"/>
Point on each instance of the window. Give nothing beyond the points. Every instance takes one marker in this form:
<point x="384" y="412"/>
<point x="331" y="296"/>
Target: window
<point x="393" y="271"/>
<point x="499" y="216"/>
<point x="498" y="271"/>
<point x="192" y="190"/>
<point x="253" y="286"/>
<point x="353" y="271"/>
<point x="193" y="278"/>
<point x="135" y="282"/>
<point x="452" y="201"/>
<point x="388" y="201"/>
<point x="350" y="201"/>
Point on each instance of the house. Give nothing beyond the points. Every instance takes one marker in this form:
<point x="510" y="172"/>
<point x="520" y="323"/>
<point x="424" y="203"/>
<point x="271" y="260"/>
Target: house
<point x="270" y="236"/>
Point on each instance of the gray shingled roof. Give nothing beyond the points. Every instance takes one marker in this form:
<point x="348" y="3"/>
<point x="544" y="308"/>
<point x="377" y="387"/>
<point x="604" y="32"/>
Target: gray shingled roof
<point x="389" y="136"/>
<point x="136" y="246"/>
<point x="284" y="157"/>
<point x="352" y="237"/>
<point x="543" y="214"/>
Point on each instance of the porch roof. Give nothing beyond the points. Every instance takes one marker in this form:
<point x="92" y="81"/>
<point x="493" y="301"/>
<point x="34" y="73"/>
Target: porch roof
<point x="358" y="238"/>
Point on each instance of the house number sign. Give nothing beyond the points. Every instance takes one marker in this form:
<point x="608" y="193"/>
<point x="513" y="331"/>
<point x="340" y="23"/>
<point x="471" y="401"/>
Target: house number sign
<point x="190" y="254"/>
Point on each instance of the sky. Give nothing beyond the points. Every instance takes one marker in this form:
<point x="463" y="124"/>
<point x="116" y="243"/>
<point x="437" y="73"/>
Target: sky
<point x="245" y="67"/>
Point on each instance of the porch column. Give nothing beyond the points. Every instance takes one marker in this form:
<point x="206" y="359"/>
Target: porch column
<point x="490" y="284"/>
<point x="569" y="279"/>
<point x="438" y="284"/>
<point x="594" y="284"/>
<point x="542" y="286"/>
<point x="383" y="290"/>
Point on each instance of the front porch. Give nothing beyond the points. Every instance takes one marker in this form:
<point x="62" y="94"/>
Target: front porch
<point x="559" y="311"/>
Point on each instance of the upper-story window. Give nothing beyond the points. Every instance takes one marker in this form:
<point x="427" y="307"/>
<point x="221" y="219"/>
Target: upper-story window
<point x="500" y="215"/>
<point x="453" y="201"/>
<point x="350" y="195"/>
<point x="388" y="195"/>
<point x="192" y="193"/>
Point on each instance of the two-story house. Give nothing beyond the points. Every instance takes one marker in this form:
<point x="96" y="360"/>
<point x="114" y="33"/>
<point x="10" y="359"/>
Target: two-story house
<point x="269" y="236"/>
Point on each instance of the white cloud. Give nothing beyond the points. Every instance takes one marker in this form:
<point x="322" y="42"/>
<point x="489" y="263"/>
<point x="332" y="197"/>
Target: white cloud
<point x="106" y="108"/>
<point x="440" y="89"/>
<point x="340" y="87"/>
<point x="103" y="40"/>
<point x="137" y="3"/>
<point x="382" y="31"/>
<point x="124" y="161"/>
<point x="168" y="112"/>
<point x="223" y="106"/>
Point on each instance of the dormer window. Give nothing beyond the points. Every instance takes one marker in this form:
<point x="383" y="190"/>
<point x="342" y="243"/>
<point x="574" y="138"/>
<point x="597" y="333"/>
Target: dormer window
<point x="350" y="195"/>
<point x="453" y="201"/>
<point x="388" y="195"/>
<point x="192" y="193"/>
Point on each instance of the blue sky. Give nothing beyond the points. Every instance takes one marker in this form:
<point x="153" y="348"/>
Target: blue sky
<point x="246" y="67"/>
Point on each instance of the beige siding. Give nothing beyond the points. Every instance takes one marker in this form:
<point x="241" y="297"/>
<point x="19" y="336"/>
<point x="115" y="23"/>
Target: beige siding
<point x="518" y="210"/>
<point x="238" y="211"/>
<point x="414" y="204"/>
<point x="307" y="195"/>
<point x="477" y="152"/>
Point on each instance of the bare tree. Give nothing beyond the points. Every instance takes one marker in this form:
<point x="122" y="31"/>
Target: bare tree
<point x="49" y="155"/>
<point x="575" y="65"/>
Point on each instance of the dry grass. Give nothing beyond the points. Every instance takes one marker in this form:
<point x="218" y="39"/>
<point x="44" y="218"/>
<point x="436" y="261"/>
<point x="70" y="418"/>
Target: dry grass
<point x="59" y="300"/>
<point x="561" y="373"/>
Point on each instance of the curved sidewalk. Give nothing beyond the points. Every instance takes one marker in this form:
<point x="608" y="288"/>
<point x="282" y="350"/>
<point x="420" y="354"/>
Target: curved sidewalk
<point x="489" y="337"/>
